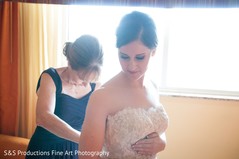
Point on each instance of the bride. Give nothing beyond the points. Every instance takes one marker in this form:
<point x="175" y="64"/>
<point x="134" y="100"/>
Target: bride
<point x="125" y="118"/>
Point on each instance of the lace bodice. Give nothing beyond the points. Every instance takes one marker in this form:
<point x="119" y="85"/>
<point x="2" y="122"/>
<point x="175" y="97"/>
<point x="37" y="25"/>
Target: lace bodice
<point x="130" y="125"/>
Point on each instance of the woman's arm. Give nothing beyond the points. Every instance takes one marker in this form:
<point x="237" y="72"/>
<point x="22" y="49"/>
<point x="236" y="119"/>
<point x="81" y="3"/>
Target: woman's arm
<point x="93" y="131"/>
<point x="45" y="116"/>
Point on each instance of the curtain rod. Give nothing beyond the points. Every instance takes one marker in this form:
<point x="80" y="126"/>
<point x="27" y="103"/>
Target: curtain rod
<point x="144" y="3"/>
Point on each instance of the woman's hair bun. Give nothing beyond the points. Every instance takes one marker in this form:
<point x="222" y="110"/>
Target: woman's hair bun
<point x="67" y="48"/>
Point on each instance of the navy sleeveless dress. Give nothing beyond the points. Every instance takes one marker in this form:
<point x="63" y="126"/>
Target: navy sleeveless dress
<point x="44" y="144"/>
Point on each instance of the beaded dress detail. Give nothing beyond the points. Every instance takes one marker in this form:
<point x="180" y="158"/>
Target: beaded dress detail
<point x="129" y="125"/>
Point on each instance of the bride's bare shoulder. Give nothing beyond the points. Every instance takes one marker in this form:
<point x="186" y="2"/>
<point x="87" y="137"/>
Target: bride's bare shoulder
<point x="104" y="91"/>
<point x="103" y="100"/>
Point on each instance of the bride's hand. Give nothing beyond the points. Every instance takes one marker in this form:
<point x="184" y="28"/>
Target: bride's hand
<point x="150" y="145"/>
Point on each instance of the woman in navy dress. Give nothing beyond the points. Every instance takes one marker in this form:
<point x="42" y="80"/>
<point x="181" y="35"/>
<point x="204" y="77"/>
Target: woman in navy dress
<point x="63" y="94"/>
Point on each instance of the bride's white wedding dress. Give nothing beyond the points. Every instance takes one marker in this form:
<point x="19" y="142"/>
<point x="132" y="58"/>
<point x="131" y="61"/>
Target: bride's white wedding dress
<point x="130" y="125"/>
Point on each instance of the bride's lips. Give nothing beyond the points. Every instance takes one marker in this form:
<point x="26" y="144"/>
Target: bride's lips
<point x="132" y="72"/>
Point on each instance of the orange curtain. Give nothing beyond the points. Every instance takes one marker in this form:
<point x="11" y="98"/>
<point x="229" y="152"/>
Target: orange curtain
<point x="8" y="67"/>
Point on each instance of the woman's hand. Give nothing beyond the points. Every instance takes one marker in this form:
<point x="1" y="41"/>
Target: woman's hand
<point x="150" y="145"/>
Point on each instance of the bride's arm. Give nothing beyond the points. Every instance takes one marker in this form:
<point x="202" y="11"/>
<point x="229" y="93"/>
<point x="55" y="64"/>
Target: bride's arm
<point x="150" y="145"/>
<point x="93" y="131"/>
<point x="154" y="142"/>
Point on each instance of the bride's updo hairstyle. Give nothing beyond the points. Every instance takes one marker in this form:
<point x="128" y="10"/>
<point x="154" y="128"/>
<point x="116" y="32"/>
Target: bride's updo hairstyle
<point x="137" y="26"/>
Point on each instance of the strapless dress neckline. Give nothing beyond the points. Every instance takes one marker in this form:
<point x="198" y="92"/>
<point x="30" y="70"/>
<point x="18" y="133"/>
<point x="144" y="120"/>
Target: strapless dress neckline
<point x="131" y="109"/>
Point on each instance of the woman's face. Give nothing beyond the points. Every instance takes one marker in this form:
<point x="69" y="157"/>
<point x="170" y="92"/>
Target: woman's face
<point x="134" y="58"/>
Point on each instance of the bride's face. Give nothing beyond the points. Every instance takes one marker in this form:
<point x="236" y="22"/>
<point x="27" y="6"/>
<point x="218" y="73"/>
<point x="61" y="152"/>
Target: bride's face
<point x="134" y="58"/>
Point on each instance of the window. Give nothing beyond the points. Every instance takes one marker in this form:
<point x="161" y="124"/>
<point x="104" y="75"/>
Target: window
<point x="201" y="51"/>
<point x="198" y="48"/>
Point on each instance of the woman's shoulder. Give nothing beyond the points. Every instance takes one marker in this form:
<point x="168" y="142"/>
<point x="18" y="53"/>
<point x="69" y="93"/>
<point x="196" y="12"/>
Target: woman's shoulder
<point x="52" y="73"/>
<point x="52" y="70"/>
